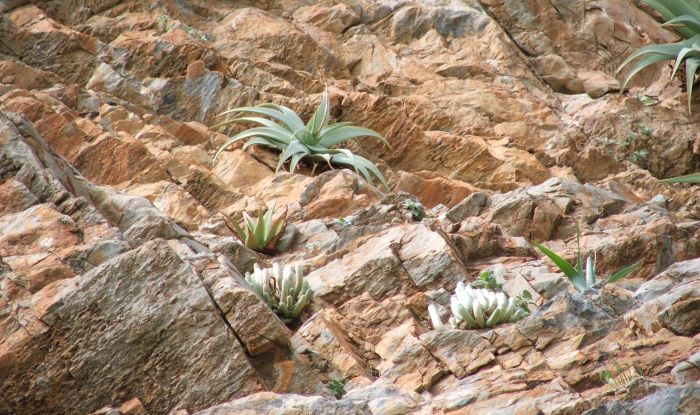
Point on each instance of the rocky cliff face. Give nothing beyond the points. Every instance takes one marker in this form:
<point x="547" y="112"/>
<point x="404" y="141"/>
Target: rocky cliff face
<point x="121" y="290"/>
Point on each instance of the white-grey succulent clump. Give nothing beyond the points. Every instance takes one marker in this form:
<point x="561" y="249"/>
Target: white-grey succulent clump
<point x="284" y="290"/>
<point x="478" y="308"/>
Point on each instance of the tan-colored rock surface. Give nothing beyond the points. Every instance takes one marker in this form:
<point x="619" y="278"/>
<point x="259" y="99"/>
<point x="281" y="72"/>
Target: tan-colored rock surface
<point x="122" y="292"/>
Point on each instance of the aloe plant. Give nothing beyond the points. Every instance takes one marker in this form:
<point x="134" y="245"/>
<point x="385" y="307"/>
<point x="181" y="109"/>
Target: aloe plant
<point x="478" y="308"/>
<point x="683" y="16"/>
<point x="283" y="289"/>
<point x="315" y="140"/>
<point x="260" y="233"/>
<point x="582" y="278"/>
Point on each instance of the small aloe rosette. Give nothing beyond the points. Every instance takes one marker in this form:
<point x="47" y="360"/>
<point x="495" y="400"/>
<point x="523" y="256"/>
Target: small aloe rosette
<point x="283" y="289"/>
<point x="478" y="308"/>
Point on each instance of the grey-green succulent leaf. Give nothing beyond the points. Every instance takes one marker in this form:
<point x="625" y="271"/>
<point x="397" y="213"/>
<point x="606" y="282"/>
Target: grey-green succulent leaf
<point x="583" y="278"/>
<point x="690" y="178"/>
<point x="683" y="16"/>
<point x="285" y="131"/>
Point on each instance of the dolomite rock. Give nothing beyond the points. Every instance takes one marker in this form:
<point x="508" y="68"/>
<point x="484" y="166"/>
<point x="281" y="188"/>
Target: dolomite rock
<point x="397" y="255"/>
<point x="110" y="206"/>
<point x="142" y="318"/>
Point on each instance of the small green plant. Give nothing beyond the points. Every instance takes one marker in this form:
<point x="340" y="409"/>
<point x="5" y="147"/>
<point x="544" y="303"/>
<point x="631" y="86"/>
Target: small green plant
<point x="647" y="100"/>
<point x="313" y="245"/>
<point x="337" y="387"/>
<point x="416" y="208"/>
<point x="284" y="290"/>
<point x="628" y="145"/>
<point x="683" y="16"/>
<point x="582" y="278"/>
<point x="194" y="33"/>
<point x="261" y="233"/>
<point x="164" y="22"/>
<point x="645" y="129"/>
<point x="523" y="300"/>
<point x="639" y="156"/>
<point x="487" y="279"/>
<point x="605" y="375"/>
<point x="478" y="308"/>
<point x="343" y="223"/>
<point x="315" y="140"/>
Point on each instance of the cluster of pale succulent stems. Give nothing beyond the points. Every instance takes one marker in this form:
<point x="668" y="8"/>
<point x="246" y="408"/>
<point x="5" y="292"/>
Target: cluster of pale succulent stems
<point x="284" y="289"/>
<point x="478" y="308"/>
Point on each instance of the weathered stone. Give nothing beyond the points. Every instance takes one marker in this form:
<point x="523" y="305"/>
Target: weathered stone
<point x="406" y="361"/>
<point x="662" y="294"/>
<point x="598" y="83"/>
<point x="326" y="338"/>
<point x="682" y="400"/>
<point x="40" y="228"/>
<point x="15" y="197"/>
<point x="432" y="189"/>
<point x="410" y="256"/>
<point x="469" y="206"/>
<point x="461" y="351"/>
<point x="274" y="404"/>
<point x="558" y="74"/>
<point x="237" y="169"/>
<point x="683" y="317"/>
<point x="143" y="301"/>
<point x="174" y="202"/>
<point x="335" y="19"/>
<point x="688" y="371"/>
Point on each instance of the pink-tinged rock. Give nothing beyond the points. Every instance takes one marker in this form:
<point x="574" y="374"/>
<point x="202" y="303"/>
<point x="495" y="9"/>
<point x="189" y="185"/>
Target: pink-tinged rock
<point x="433" y="189"/>
<point x="144" y="302"/>
<point x="323" y="335"/>
<point x="238" y="169"/>
<point x="39" y="228"/>
<point x="15" y="197"/>
<point x="462" y="351"/>
<point x="406" y="362"/>
<point x="174" y="202"/>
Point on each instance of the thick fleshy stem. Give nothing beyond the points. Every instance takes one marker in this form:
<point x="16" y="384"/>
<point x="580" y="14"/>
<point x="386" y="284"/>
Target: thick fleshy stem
<point x="284" y="289"/>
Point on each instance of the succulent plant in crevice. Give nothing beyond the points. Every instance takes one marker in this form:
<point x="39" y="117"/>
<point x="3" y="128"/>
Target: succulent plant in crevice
<point x="474" y="308"/>
<point x="583" y="278"/>
<point x="283" y="289"/>
<point x="316" y="140"/>
<point x="261" y="233"/>
<point x="683" y="16"/>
